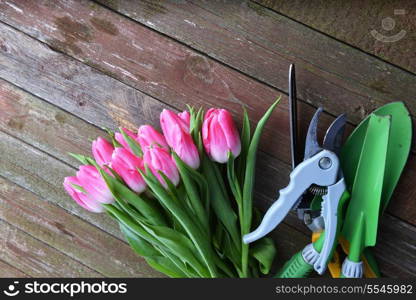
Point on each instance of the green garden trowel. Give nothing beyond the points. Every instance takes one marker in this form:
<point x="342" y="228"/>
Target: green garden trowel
<point x="372" y="160"/>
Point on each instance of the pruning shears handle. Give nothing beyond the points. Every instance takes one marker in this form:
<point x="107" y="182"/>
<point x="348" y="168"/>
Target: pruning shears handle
<point x="303" y="262"/>
<point x="310" y="171"/>
<point x="330" y="205"/>
<point x="296" y="267"/>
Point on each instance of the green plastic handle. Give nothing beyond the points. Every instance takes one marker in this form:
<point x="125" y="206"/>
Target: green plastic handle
<point x="296" y="267"/>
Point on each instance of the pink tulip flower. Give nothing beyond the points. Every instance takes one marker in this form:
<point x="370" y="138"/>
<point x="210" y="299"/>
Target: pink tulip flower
<point x="176" y="132"/>
<point x="126" y="164"/>
<point x="186" y="117"/>
<point x="120" y="138"/>
<point x="219" y="135"/>
<point x="94" y="184"/>
<point x="159" y="159"/>
<point x="102" y="151"/>
<point x="82" y="199"/>
<point x="148" y="136"/>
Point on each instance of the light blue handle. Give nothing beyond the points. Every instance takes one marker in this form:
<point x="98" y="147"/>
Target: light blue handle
<point x="329" y="212"/>
<point x="310" y="171"/>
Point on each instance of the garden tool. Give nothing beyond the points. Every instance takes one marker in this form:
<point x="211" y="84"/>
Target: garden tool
<point x="397" y="153"/>
<point x="398" y="150"/>
<point x="318" y="173"/>
<point x="361" y="219"/>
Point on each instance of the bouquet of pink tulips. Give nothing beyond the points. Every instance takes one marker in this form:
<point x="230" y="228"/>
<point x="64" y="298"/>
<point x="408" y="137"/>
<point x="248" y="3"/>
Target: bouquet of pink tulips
<point x="183" y="199"/>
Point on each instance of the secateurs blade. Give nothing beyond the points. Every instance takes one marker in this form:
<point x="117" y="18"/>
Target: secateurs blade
<point x="318" y="174"/>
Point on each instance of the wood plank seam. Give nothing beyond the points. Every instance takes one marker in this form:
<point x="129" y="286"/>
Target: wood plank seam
<point x="90" y="66"/>
<point x="7" y="263"/>
<point x="260" y="4"/>
<point x="37" y="148"/>
<point x="73" y="58"/>
<point x="214" y="58"/>
<point x="123" y="81"/>
<point x="78" y="60"/>
<point x="52" y="203"/>
<point x="221" y="62"/>
<point x="413" y="150"/>
<point x="50" y="246"/>
<point x="69" y="234"/>
<point x="82" y="63"/>
<point x="74" y="168"/>
<point x="195" y="50"/>
<point x="345" y="15"/>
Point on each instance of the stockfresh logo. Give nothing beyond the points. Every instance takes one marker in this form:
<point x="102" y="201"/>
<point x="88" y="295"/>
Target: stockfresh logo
<point x="12" y="290"/>
<point x="64" y="288"/>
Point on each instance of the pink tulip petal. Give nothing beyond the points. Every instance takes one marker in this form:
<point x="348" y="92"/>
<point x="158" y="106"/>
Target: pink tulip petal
<point x="126" y="164"/>
<point x="219" y="135"/>
<point x="94" y="184"/>
<point x="79" y="197"/>
<point x="177" y="135"/>
<point x="120" y="138"/>
<point x="159" y="159"/>
<point x="148" y="136"/>
<point x="102" y="151"/>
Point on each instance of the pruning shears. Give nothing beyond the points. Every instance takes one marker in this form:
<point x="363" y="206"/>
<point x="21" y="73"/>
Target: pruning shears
<point x="316" y="179"/>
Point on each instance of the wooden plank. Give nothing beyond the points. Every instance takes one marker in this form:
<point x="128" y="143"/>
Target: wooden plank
<point x="395" y="251"/>
<point x="395" y="248"/>
<point x="69" y="234"/>
<point x="358" y="23"/>
<point x="7" y="271"/>
<point x="273" y="175"/>
<point x="57" y="132"/>
<point x="176" y="73"/>
<point x="270" y="172"/>
<point x="43" y="175"/>
<point x="18" y="166"/>
<point x="43" y="125"/>
<point x="25" y="178"/>
<point x="106" y="102"/>
<point x="262" y="44"/>
<point x="171" y="74"/>
<point x="35" y="258"/>
<point x="51" y="89"/>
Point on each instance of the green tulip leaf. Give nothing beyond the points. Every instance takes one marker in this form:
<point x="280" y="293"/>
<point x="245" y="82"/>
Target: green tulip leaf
<point x="133" y="144"/>
<point x="189" y="177"/>
<point x="140" y="245"/>
<point x="264" y="252"/>
<point x="219" y="200"/>
<point x="247" y="210"/>
<point x="245" y="144"/>
<point x="123" y="194"/>
<point x="85" y="160"/>
<point x="182" y="216"/>
<point x="79" y="188"/>
<point x="111" y="134"/>
<point x="250" y="169"/>
<point x="179" y="244"/>
<point x="176" y="254"/>
<point x="166" y="266"/>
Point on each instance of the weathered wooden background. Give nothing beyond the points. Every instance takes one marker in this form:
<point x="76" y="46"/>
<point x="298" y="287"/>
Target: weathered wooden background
<point x="69" y="68"/>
